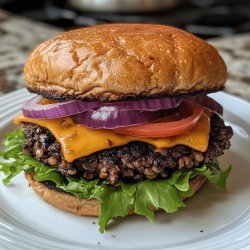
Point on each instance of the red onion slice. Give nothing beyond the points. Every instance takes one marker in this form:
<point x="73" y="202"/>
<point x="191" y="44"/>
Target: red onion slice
<point x="206" y="101"/>
<point x="113" y="115"/>
<point x="110" y="117"/>
<point x="33" y="109"/>
<point x="147" y="104"/>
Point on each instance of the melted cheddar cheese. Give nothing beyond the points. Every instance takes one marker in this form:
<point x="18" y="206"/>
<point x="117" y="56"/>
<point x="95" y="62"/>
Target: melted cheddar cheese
<point x="77" y="140"/>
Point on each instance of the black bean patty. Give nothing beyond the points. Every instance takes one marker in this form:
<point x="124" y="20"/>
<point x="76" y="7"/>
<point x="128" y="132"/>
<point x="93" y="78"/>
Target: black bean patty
<point x="134" y="161"/>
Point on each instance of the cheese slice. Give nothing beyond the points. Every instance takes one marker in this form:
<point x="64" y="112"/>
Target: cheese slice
<point x="77" y="140"/>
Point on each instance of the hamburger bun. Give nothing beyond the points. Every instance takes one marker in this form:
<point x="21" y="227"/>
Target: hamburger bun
<point x="124" y="61"/>
<point x="71" y="203"/>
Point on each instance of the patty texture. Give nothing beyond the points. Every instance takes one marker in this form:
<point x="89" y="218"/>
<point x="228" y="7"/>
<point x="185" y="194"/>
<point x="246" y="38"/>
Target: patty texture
<point x="134" y="161"/>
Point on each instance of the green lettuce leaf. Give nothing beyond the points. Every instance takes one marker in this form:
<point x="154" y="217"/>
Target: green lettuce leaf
<point x="80" y="187"/>
<point x="115" y="201"/>
<point x="219" y="178"/>
<point x="156" y="194"/>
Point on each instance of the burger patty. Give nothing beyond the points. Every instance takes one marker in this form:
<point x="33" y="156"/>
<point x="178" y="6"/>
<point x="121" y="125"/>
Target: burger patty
<point x="134" y="161"/>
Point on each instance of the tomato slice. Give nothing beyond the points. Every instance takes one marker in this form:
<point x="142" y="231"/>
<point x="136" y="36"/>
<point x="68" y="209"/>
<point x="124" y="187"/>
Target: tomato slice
<point x="181" y="122"/>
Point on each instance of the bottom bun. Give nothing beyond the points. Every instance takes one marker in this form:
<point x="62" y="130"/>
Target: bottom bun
<point x="71" y="203"/>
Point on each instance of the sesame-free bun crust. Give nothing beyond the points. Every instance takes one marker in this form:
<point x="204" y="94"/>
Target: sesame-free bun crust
<point x="124" y="61"/>
<point x="85" y="207"/>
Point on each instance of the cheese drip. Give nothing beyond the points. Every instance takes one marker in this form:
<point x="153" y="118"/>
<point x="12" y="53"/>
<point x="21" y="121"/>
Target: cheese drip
<point x="78" y="141"/>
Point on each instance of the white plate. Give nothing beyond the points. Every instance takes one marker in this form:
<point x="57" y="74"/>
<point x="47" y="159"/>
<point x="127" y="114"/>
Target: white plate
<point x="212" y="219"/>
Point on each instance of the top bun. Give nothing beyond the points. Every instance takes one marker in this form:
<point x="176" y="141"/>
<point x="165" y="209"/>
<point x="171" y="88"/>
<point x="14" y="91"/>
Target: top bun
<point x="124" y="61"/>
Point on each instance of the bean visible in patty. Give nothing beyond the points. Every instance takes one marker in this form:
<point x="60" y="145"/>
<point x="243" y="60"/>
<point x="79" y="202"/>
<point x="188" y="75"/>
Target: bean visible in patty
<point x="134" y="161"/>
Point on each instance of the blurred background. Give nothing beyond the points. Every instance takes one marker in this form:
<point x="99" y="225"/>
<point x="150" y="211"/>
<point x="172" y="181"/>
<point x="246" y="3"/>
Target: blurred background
<point x="223" y="23"/>
<point x="205" y="18"/>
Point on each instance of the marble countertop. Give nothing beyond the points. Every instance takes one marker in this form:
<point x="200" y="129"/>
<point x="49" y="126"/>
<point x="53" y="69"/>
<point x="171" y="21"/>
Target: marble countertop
<point x="18" y="36"/>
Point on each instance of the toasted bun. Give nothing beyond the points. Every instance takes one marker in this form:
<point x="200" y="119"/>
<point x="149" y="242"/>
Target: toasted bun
<point x="85" y="207"/>
<point x="124" y="61"/>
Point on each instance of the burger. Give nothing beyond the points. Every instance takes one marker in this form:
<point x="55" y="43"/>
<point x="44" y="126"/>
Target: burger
<point x="121" y="123"/>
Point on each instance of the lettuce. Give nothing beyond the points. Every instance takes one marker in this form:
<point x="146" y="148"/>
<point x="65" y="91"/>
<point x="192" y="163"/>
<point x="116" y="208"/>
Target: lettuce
<point x="115" y="201"/>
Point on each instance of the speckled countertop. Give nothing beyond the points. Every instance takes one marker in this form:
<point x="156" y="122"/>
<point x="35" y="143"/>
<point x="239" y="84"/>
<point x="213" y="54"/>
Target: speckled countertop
<point x="18" y="36"/>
